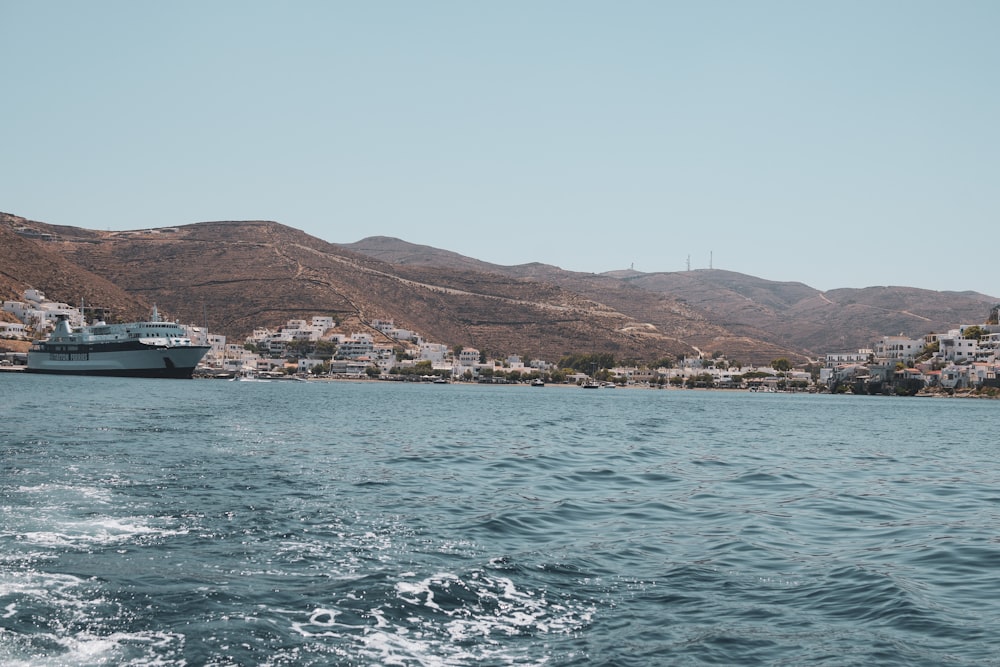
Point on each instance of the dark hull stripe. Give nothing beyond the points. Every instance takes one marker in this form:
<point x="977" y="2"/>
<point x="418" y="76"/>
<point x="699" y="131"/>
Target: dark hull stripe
<point x="177" y="373"/>
<point x="97" y="348"/>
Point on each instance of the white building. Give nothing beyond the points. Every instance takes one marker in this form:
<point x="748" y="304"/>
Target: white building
<point x="957" y="349"/>
<point x="514" y="362"/>
<point x="469" y="357"/>
<point x="389" y="329"/>
<point x="384" y="356"/>
<point x="357" y="346"/>
<point x="436" y="353"/>
<point x="306" y="364"/>
<point x="989" y="348"/>
<point x="12" y="330"/>
<point x="198" y="335"/>
<point x="18" y="309"/>
<point x="898" y="348"/>
<point x="862" y="356"/>
<point x="322" y="323"/>
<point x="236" y="357"/>
<point x="402" y="334"/>
<point x="35" y="296"/>
<point x="349" y="367"/>
<point x="37" y="312"/>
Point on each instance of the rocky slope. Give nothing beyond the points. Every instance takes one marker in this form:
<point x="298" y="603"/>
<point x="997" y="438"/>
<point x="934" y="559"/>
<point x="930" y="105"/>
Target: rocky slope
<point x="27" y="263"/>
<point x="750" y="317"/>
<point x="238" y="275"/>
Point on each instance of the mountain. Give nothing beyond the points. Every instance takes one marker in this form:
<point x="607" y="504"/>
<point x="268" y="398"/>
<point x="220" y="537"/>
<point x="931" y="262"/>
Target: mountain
<point x="759" y="317"/>
<point x="27" y="263"/>
<point x="240" y="275"/>
<point x="800" y="317"/>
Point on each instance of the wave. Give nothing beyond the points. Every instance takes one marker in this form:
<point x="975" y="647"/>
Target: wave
<point x="449" y="618"/>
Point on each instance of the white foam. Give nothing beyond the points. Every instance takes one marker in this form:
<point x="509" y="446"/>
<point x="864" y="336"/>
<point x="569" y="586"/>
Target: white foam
<point x="100" y="494"/>
<point x="119" y="648"/>
<point x="438" y="635"/>
<point x="37" y="584"/>
<point x="100" y="531"/>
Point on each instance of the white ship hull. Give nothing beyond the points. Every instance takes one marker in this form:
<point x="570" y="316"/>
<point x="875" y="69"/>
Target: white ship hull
<point x="153" y="349"/>
<point x="158" y="362"/>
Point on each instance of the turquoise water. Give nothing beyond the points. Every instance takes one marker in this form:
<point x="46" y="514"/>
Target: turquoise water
<point x="216" y="523"/>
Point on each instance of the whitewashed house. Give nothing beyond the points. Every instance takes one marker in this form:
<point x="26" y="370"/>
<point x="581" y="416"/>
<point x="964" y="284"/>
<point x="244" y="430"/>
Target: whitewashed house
<point x="469" y="357"/>
<point x="862" y="356"/>
<point x="898" y="348"/>
<point x="436" y="353"/>
<point x="957" y="349"/>
<point x="12" y="330"/>
<point x="358" y="345"/>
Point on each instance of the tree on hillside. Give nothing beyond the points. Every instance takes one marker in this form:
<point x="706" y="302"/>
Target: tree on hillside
<point x="975" y="332"/>
<point x="325" y="348"/>
<point x="587" y="363"/>
<point x="929" y="351"/>
<point x="665" y="362"/>
<point x="782" y="365"/>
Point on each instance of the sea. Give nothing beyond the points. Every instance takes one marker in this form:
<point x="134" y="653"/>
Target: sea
<point x="205" y="522"/>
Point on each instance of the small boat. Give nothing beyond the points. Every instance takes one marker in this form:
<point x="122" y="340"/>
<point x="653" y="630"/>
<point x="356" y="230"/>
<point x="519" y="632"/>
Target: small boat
<point x="537" y="382"/>
<point x="152" y="349"/>
<point x="592" y="384"/>
<point x="248" y="374"/>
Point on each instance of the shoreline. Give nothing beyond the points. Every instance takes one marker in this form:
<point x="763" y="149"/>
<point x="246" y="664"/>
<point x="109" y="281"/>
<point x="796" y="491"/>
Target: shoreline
<point x="961" y="394"/>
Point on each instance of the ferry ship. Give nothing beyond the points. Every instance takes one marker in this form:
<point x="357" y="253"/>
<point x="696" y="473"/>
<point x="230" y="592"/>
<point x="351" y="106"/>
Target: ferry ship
<point x="154" y="349"/>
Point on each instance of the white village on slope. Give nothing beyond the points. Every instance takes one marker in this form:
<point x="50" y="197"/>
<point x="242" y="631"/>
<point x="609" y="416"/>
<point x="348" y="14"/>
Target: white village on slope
<point x="964" y="358"/>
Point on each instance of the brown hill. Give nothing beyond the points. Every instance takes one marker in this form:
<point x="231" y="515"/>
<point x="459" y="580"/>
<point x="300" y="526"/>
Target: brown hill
<point x="28" y="263"/>
<point x="744" y="316"/>
<point x="797" y="316"/>
<point x="239" y="275"/>
<point x="653" y="311"/>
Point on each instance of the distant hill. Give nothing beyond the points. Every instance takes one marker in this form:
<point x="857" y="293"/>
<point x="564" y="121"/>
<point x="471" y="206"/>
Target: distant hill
<point x="27" y="263"/>
<point x="653" y="310"/>
<point x="758" y="316"/>
<point x="798" y="316"/>
<point x="239" y="275"/>
<point x="396" y="251"/>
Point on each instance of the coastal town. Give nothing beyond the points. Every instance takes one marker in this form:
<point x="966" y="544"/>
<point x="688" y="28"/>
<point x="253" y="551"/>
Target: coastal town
<point x="963" y="359"/>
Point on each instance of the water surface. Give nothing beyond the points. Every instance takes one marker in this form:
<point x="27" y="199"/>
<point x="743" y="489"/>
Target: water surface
<point x="208" y="522"/>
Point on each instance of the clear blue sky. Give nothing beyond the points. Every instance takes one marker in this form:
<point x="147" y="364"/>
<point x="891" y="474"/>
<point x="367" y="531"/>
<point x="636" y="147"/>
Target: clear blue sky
<point x="840" y="144"/>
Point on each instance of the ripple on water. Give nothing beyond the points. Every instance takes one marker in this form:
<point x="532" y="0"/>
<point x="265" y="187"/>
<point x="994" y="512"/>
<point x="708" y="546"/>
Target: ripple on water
<point x="447" y="618"/>
<point x="306" y="524"/>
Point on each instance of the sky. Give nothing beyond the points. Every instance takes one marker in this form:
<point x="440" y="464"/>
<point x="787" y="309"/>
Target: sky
<point x="839" y="144"/>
